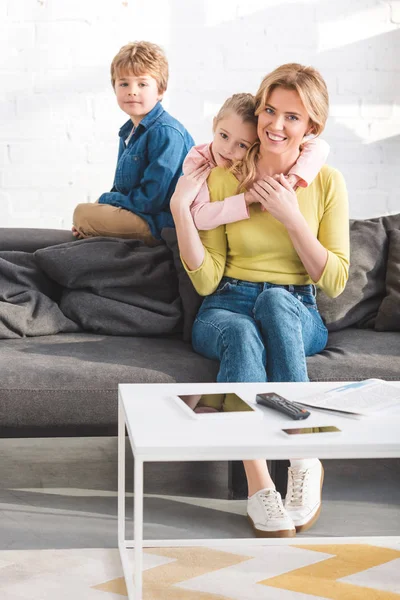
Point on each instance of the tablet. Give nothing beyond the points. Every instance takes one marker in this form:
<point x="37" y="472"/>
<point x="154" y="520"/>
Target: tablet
<point x="217" y="406"/>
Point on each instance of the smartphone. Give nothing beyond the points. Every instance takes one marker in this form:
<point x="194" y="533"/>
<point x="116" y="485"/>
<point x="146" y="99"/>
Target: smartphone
<point x="323" y="429"/>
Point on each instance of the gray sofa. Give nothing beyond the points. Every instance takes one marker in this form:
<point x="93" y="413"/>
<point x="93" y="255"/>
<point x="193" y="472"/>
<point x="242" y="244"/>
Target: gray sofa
<point x="66" y="384"/>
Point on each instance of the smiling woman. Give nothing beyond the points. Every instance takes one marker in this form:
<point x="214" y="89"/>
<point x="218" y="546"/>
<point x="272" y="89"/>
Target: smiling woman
<point x="260" y="318"/>
<point x="284" y="122"/>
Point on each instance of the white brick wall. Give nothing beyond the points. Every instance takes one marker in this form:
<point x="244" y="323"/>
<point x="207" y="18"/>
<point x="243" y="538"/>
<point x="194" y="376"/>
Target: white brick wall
<point x="59" y="119"/>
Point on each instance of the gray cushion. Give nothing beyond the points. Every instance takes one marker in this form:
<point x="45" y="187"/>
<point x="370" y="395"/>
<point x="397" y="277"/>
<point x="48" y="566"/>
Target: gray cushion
<point x="365" y="290"/>
<point x="388" y="318"/>
<point x="354" y="354"/>
<point x="28" y="299"/>
<point x="115" y="286"/>
<point x="191" y="300"/>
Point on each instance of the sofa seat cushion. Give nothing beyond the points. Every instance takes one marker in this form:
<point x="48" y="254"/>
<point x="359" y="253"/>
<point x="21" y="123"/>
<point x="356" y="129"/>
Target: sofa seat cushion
<point x="66" y="384"/>
<point x="71" y="379"/>
<point x="353" y="354"/>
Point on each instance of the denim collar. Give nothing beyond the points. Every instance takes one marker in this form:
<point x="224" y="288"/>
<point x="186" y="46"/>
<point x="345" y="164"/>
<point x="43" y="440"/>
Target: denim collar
<point x="146" y="122"/>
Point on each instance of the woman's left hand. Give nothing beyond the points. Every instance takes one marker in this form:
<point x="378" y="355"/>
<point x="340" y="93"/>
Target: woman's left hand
<point x="277" y="197"/>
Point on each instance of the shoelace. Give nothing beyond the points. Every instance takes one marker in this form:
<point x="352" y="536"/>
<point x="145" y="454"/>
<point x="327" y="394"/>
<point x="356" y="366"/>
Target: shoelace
<point x="273" y="505"/>
<point x="297" y="486"/>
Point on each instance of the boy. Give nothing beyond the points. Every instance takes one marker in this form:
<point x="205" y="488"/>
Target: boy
<point x="152" y="148"/>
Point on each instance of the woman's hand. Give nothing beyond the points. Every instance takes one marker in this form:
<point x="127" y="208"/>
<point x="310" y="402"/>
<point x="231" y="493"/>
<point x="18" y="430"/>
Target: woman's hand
<point x="278" y="198"/>
<point x="188" y="186"/>
<point x="189" y="242"/>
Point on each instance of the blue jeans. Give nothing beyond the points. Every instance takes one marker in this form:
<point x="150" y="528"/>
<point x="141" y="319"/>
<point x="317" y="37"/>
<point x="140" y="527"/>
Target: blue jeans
<point x="259" y="331"/>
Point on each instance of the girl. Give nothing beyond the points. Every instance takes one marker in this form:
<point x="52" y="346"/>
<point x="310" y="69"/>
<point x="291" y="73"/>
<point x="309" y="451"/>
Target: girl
<point x="235" y="133"/>
<point x="260" y="318"/>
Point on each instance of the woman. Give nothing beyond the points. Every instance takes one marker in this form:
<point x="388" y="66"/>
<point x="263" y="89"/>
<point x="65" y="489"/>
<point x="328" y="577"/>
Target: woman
<point x="260" y="317"/>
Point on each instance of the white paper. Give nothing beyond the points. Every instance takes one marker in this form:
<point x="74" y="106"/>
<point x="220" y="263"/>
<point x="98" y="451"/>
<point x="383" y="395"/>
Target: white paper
<point x="369" y="397"/>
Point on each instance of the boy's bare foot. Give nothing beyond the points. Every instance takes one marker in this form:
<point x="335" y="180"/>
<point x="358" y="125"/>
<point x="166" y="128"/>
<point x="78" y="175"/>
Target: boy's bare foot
<point x="76" y="233"/>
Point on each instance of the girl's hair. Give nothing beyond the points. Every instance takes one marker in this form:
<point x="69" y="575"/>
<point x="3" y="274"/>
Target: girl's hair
<point x="243" y="105"/>
<point x="140" y="58"/>
<point x="310" y="86"/>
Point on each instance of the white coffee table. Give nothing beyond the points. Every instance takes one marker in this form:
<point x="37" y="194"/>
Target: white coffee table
<point x="160" y="430"/>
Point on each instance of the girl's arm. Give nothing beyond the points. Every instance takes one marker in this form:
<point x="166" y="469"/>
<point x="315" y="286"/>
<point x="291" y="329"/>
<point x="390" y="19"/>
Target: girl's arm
<point x="311" y="159"/>
<point x="209" y="215"/>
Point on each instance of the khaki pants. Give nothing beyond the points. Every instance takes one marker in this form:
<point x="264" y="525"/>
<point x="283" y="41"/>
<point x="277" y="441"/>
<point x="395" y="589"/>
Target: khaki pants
<point x="93" y="219"/>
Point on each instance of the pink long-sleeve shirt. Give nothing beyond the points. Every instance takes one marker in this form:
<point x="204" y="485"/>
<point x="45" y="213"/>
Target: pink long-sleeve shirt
<point x="208" y="215"/>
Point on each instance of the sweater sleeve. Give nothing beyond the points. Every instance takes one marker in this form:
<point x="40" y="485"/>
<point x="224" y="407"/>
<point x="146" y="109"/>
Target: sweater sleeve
<point x="207" y="277"/>
<point x="311" y="159"/>
<point x="334" y="236"/>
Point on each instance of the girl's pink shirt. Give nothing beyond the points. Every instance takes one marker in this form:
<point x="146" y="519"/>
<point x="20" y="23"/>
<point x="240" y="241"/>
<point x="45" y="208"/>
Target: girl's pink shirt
<point x="311" y="159"/>
<point x="208" y="215"/>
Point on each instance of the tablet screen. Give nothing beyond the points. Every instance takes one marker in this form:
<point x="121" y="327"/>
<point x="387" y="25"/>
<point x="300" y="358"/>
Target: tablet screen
<point x="215" y="403"/>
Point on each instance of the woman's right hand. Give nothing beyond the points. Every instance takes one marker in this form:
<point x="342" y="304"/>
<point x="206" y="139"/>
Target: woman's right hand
<point x="187" y="189"/>
<point x="189" y="185"/>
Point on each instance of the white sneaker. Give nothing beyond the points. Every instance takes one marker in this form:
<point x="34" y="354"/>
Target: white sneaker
<point x="268" y="516"/>
<point x="303" y="498"/>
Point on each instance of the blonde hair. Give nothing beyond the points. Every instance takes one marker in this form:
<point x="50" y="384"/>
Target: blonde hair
<point x="310" y="86"/>
<point x="243" y="105"/>
<point x="141" y="58"/>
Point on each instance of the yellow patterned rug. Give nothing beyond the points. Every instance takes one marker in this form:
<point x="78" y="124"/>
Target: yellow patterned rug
<point x="340" y="571"/>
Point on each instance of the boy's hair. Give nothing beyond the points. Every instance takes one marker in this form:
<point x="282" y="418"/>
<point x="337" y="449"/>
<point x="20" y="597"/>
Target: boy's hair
<point x="141" y="58"/>
<point x="243" y="105"/>
<point x="310" y="86"/>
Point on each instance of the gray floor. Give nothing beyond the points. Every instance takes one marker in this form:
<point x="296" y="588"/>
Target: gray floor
<point x="61" y="493"/>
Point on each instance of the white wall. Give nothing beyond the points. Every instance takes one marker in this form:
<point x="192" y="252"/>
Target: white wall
<point x="59" y="119"/>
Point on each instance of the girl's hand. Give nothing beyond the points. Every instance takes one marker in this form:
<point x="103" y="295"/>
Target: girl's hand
<point x="278" y="198"/>
<point x="188" y="186"/>
<point x="293" y="180"/>
<point x="250" y="199"/>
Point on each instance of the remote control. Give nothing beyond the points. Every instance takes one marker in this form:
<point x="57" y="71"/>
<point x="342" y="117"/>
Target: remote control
<point x="288" y="408"/>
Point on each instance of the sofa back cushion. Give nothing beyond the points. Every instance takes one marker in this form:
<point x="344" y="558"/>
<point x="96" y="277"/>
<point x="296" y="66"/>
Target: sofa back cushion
<point x="358" y="305"/>
<point x="191" y="300"/>
<point x="388" y="318"/>
<point x="30" y="240"/>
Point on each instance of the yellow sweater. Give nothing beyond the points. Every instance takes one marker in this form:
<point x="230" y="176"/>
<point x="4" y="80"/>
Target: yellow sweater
<point x="259" y="249"/>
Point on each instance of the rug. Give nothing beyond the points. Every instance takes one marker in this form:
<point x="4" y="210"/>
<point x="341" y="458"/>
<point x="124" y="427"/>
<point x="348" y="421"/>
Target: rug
<point x="338" y="571"/>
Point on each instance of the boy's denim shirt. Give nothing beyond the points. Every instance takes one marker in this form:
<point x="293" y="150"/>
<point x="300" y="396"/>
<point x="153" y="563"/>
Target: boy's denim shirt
<point x="149" y="168"/>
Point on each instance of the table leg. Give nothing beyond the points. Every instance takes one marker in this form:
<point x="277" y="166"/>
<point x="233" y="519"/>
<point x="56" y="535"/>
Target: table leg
<point x="138" y="527"/>
<point x="127" y="569"/>
<point x="121" y="476"/>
